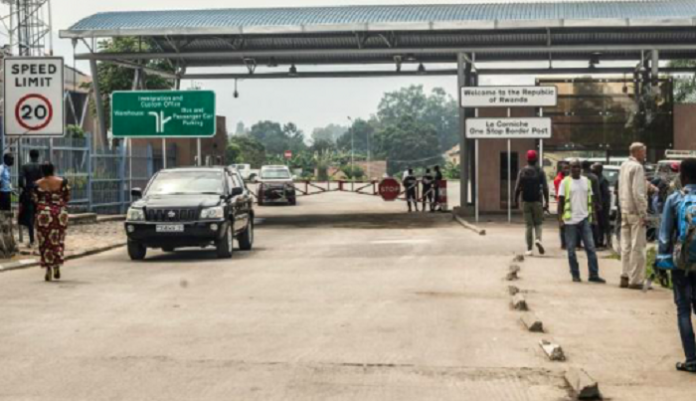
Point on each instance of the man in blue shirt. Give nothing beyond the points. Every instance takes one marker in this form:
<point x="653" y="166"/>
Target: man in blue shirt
<point x="6" y="182"/>
<point x="684" y="283"/>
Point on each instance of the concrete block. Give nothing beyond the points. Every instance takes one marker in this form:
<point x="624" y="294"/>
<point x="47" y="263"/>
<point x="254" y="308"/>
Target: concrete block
<point x="532" y="323"/>
<point x="515" y="268"/>
<point x="553" y="351"/>
<point x="511" y="276"/>
<point x="519" y="303"/>
<point x="82" y="218"/>
<point x="584" y="386"/>
<point x="518" y="259"/>
<point x="513" y="290"/>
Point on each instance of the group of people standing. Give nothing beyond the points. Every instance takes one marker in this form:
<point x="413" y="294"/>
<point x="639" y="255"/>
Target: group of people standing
<point x="43" y="208"/>
<point x="430" y="189"/>
<point x="584" y="203"/>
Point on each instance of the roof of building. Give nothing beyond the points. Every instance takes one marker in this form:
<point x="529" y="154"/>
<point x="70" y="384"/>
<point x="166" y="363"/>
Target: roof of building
<point x="548" y="31"/>
<point x="388" y="17"/>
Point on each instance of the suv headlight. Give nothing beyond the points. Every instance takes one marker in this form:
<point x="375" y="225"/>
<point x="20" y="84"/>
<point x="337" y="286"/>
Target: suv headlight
<point x="213" y="213"/>
<point x="135" y="214"/>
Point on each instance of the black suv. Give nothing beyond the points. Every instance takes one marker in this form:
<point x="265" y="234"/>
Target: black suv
<point x="187" y="207"/>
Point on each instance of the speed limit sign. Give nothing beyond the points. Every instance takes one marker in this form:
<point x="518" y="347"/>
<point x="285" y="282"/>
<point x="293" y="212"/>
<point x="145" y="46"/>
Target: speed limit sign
<point x="34" y="93"/>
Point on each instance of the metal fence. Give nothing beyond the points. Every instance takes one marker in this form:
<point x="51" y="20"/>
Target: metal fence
<point x="100" y="179"/>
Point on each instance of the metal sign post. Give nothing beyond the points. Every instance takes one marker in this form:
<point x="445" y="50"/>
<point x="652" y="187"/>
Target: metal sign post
<point x="509" y="174"/>
<point x="198" y="145"/>
<point x="477" y="161"/>
<point x="164" y="153"/>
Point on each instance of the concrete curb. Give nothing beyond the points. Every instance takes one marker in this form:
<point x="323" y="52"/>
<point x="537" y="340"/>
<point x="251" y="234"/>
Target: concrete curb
<point x="468" y="225"/>
<point x="107" y="219"/>
<point x="29" y="263"/>
<point x="584" y="386"/>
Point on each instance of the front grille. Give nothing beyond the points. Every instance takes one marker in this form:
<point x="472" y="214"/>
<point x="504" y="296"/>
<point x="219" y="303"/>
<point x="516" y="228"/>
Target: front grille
<point x="171" y="215"/>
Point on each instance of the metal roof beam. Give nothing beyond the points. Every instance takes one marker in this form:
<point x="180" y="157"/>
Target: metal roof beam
<point x="396" y="51"/>
<point x="437" y="72"/>
<point x="151" y="71"/>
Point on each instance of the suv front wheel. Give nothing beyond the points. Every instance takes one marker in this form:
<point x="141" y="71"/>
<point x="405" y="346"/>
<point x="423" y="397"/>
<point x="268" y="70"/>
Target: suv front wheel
<point x="246" y="239"/>
<point x="225" y="245"/>
<point x="136" y="251"/>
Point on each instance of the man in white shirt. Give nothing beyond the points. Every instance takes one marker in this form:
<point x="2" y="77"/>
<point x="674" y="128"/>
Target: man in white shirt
<point x="575" y="213"/>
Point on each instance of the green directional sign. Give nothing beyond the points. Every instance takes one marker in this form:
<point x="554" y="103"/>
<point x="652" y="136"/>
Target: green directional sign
<point x="163" y="114"/>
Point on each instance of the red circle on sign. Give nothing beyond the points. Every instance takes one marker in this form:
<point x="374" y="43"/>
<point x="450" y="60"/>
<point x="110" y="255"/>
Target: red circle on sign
<point x="49" y="117"/>
<point x="389" y="189"/>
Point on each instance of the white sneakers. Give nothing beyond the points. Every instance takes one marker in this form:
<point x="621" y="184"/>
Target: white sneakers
<point x="528" y="253"/>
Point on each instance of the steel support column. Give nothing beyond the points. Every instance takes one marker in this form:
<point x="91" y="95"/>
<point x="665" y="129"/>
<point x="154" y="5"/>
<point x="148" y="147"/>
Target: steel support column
<point x="463" y="74"/>
<point x="99" y="103"/>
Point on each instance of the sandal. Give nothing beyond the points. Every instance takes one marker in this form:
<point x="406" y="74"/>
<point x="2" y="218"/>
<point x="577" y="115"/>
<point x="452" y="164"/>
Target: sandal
<point x="48" y="274"/>
<point x="689" y="367"/>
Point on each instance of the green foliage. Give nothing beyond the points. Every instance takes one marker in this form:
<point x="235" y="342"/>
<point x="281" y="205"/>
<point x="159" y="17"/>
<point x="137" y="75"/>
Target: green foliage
<point x="330" y="133"/>
<point x="358" y="136"/>
<point x="322" y="145"/>
<point x="409" y="143"/>
<point x="437" y="109"/>
<point x="355" y="172"/>
<point x="277" y="139"/>
<point x="113" y="77"/>
<point x="684" y="86"/>
<point x="451" y="171"/>
<point x="244" y="149"/>
<point x="74" y="131"/>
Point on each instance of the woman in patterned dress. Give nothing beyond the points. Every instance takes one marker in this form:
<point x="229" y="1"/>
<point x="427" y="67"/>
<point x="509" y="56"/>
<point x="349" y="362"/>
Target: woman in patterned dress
<point x="51" y="197"/>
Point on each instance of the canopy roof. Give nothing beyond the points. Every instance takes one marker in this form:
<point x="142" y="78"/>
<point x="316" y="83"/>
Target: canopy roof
<point x="581" y="30"/>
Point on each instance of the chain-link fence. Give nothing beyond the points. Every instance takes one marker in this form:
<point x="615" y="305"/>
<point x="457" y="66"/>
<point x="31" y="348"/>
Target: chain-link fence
<point x="100" y="179"/>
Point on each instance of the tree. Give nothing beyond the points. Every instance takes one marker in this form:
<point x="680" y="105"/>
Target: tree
<point x="322" y="144"/>
<point x="409" y="143"/>
<point x="113" y="77"/>
<point x="684" y="86"/>
<point x="276" y="138"/>
<point x="241" y="129"/>
<point x="330" y="133"/>
<point x="245" y="149"/>
<point x="359" y="136"/>
<point x="438" y="110"/>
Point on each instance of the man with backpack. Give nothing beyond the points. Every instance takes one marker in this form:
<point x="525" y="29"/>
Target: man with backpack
<point x="677" y="253"/>
<point x="532" y="185"/>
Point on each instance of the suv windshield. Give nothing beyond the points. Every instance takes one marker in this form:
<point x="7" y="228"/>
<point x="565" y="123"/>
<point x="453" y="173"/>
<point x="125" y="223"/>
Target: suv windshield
<point x="187" y="182"/>
<point x="275" y="174"/>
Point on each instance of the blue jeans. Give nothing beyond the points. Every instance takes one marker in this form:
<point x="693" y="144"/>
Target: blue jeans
<point x="685" y="298"/>
<point x="573" y="234"/>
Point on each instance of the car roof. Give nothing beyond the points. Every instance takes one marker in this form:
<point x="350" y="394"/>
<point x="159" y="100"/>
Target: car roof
<point x="198" y="168"/>
<point x="274" y="167"/>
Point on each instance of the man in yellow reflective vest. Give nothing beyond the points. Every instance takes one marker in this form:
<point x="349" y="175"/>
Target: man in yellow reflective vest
<point x="575" y="212"/>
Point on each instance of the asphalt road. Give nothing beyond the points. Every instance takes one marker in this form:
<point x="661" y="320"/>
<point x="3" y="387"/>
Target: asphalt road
<point x="344" y="297"/>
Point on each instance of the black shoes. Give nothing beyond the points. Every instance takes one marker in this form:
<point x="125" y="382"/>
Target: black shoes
<point x="597" y="280"/>
<point x="48" y="275"/>
<point x="56" y="273"/>
<point x="576" y="279"/>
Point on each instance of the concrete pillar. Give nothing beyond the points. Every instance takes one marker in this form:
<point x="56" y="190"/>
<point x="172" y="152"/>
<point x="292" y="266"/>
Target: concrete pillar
<point x="99" y="104"/>
<point x="463" y="73"/>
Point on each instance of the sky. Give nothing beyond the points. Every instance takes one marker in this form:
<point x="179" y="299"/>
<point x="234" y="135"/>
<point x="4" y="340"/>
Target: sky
<point x="308" y="103"/>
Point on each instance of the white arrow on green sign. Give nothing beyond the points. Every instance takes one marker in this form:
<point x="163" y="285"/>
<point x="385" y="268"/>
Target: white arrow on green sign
<point x="163" y="114"/>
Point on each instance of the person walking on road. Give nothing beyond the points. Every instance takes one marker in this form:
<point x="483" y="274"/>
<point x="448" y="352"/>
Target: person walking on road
<point x="51" y="196"/>
<point x="410" y="183"/>
<point x="428" y="190"/>
<point x="564" y="171"/>
<point x="28" y="175"/>
<point x="532" y="185"/>
<point x="6" y="182"/>
<point x="575" y="212"/>
<point x="677" y="220"/>
<point x="604" y="237"/>
<point x="438" y="180"/>
<point x="633" y="197"/>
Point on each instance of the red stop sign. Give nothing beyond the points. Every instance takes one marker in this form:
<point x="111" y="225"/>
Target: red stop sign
<point x="389" y="189"/>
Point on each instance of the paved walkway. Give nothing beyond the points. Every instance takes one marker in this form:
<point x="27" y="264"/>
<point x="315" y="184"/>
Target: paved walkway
<point x="627" y="339"/>
<point x="81" y="239"/>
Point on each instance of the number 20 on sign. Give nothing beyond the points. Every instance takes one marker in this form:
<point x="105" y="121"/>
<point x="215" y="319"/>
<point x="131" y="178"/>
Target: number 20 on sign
<point x="34" y="88"/>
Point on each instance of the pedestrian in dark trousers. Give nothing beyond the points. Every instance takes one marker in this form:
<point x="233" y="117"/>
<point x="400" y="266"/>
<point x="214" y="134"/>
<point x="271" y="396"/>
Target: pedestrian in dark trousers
<point x="604" y="224"/>
<point x="675" y="250"/>
<point x="575" y="211"/>
<point x="428" y="190"/>
<point x="410" y="183"/>
<point x="532" y="185"/>
<point x="438" y="179"/>
<point x="6" y="182"/>
<point x="28" y="175"/>
<point x="597" y="197"/>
